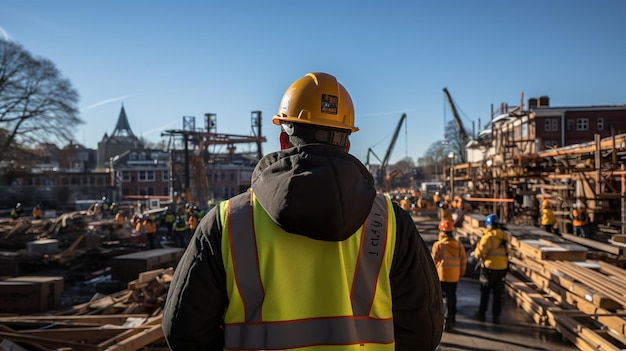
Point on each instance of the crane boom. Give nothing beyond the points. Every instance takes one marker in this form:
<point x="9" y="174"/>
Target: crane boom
<point x="457" y="119"/>
<point x="393" y="141"/>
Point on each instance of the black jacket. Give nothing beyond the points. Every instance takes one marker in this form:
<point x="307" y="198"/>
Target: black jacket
<point x="322" y="193"/>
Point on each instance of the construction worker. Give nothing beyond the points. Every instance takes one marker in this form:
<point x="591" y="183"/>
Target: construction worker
<point x="179" y="231"/>
<point x="120" y="219"/>
<point x="37" y="213"/>
<point x="436" y="199"/>
<point x="310" y="258"/>
<point x="16" y="211"/>
<point x="168" y="220"/>
<point x="405" y="204"/>
<point x="192" y="223"/>
<point x="151" y="232"/>
<point x="579" y="220"/>
<point x="140" y="230"/>
<point x="451" y="262"/>
<point x="547" y="217"/>
<point x="492" y="252"/>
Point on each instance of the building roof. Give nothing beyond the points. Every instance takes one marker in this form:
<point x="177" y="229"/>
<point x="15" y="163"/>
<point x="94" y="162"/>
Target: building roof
<point x="122" y="128"/>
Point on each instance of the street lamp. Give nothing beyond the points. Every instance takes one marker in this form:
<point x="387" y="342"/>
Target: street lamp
<point x="451" y="157"/>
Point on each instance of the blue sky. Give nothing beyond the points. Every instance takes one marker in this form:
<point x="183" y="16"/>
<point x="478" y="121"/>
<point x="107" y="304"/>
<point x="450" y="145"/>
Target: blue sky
<point x="168" y="59"/>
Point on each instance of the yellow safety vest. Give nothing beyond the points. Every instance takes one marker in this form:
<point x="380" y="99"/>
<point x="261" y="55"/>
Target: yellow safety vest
<point x="288" y="291"/>
<point x="493" y="250"/>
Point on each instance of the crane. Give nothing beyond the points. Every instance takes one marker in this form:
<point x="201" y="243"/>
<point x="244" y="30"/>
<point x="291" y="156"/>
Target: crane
<point x="459" y="124"/>
<point x="381" y="173"/>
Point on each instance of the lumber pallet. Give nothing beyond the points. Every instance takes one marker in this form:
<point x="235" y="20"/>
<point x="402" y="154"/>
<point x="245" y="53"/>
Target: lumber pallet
<point x="132" y="318"/>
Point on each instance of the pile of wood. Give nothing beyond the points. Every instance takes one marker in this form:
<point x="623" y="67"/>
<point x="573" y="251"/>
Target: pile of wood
<point x="555" y="281"/>
<point x="127" y="320"/>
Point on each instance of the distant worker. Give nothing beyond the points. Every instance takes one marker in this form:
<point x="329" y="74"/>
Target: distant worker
<point x="548" y="220"/>
<point x="192" y="223"/>
<point x="151" y="232"/>
<point x="179" y="231"/>
<point x="310" y="258"/>
<point x="405" y="204"/>
<point x="436" y="198"/>
<point x="579" y="220"/>
<point x="119" y="219"/>
<point x="106" y="205"/>
<point x="451" y="262"/>
<point x="16" y="211"/>
<point x="140" y="230"/>
<point x="37" y="213"/>
<point x="168" y="220"/>
<point x="492" y="251"/>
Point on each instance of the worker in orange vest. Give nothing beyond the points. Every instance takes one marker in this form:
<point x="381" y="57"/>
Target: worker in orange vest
<point x="451" y="262"/>
<point x="151" y="232"/>
<point x="579" y="220"/>
<point x="37" y="213"/>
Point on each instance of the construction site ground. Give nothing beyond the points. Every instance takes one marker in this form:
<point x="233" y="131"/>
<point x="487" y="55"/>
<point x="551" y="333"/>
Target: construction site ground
<point x="516" y="330"/>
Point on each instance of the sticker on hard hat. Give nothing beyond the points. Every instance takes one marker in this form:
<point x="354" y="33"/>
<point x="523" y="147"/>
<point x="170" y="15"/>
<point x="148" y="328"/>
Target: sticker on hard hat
<point x="329" y="104"/>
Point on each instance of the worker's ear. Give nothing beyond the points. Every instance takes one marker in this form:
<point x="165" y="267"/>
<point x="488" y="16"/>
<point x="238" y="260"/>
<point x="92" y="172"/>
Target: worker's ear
<point x="348" y="146"/>
<point x="284" y="141"/>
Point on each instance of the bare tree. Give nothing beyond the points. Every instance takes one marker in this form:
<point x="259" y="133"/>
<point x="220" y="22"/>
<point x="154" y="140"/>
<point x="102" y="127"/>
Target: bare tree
<point x="37" y="105"/>
<point x="455" y="142"/>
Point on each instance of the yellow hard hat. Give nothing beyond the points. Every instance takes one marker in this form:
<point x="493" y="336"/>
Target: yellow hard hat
<point x="317" y="98"/>
<point x="545" y="203"/>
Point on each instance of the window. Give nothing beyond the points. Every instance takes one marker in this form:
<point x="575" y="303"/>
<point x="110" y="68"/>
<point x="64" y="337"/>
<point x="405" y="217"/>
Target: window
<point x="570" y="124"/>
<point x="126" y="176"/>
<point x="165" y="176"/>
<point x="600" y="123"/>
<point x="145" y="176"/>
<point x="547" y="125"/>
<point x="582" y="123"/>
<point x="555" y="125"/>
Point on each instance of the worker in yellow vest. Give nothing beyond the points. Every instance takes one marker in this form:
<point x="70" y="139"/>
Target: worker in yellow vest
<point x="492" y="251"/>
<point x="179" y="231"/>
<point x="310" y="258"/>
<point x="451" y="262"/>
<point x="547" y="217"/>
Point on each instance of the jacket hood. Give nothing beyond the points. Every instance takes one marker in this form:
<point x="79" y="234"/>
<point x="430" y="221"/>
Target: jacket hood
<point x="314" y="190"/>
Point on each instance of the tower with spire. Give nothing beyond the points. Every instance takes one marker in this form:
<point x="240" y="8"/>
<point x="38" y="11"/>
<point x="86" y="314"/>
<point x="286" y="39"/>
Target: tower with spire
<point x="121" y="140"/>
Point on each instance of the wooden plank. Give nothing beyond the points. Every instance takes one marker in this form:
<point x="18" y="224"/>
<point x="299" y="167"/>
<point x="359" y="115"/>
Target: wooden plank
<point x="600" y="339"/>
<point x="546" y="250"/>
<point x="115" y="319"/>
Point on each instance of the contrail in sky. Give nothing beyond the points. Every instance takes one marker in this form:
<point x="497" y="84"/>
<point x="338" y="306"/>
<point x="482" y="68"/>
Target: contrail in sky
<point x="104" y="102"/>
<point x="159" y="129"/>
<point x="4" y="34"/>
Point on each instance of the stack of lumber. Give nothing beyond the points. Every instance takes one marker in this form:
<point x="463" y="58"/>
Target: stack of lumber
<point x="127" y="320"/>
<point x="585" y="300"/>
<point x="556" y="283"/>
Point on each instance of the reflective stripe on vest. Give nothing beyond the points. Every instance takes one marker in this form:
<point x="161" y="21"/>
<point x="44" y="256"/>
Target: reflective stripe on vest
<point x="356" y="329"/>
<point x="450" y="261"/>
